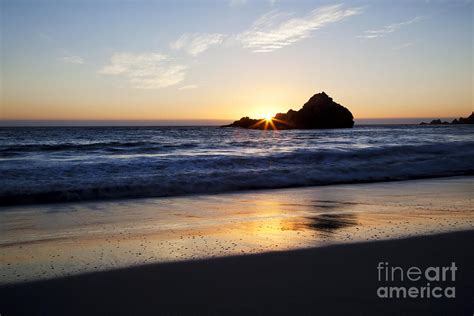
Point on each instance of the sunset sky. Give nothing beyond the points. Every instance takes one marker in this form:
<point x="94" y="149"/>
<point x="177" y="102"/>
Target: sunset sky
<point x="153" y="60"/>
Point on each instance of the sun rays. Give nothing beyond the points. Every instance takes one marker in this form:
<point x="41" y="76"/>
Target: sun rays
<point x="269" y="123"/>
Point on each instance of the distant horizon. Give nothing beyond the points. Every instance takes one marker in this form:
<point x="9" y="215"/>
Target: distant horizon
<point x="198" y="122"/>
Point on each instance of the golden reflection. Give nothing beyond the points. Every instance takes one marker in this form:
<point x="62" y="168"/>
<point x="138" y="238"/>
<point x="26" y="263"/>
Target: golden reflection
<point x="189" y="228"/>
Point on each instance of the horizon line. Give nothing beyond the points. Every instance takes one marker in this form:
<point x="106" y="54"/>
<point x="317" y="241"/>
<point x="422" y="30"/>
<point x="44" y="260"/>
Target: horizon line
<point x="183" y="122"/>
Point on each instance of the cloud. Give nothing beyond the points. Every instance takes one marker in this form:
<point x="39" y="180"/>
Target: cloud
<point x="72" y="59"/>
<point x="146" y="70"/>
<point x="371" y="34"/>
<point x="196" y="43"/>
<point x="188" y="87"/>
<point x="275" y="30"/>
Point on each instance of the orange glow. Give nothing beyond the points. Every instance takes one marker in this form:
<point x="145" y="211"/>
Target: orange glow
<point x="268" y="124"/>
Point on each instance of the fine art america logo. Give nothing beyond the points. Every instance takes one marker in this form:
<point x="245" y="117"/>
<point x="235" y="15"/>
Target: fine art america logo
<point x="415" y="282"/>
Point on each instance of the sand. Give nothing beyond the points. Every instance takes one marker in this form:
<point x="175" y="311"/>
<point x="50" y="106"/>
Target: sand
<point x="291" y="250"/>
<point x="49" y="241"/>
<point x="333" y="280"/>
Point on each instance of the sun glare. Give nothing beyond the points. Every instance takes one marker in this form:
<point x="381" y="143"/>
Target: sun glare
<point x="268" y="117"/>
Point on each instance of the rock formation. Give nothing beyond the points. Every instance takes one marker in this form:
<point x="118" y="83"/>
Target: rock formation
<point x="461" y="120"/>
<point x="318" y="113"/>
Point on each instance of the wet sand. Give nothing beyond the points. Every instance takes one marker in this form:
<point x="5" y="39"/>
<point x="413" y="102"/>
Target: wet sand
<point x="333" y="280"/>
<point x="51" y="241"/>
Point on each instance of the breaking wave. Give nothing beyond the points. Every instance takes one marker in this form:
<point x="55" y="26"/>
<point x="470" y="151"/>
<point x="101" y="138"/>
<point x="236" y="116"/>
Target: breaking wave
<point x="46" y="173"/>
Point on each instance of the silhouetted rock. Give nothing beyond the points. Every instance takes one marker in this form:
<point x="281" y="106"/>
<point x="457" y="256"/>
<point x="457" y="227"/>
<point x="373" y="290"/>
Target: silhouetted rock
<point x="438" y="122"/>
<point x="467" y="120"/>
<point x="461" y="120"/>
<point x="319" y="112"/>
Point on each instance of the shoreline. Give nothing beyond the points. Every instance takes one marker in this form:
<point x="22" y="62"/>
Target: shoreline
<point x="50" y="241"/>
<point x="24" y="200"/>
<point x="338" y="279"/>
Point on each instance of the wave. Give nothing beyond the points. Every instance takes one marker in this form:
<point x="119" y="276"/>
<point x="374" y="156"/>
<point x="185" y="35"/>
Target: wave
<point x="211" y="174"/>
<point x="138" y="147"/>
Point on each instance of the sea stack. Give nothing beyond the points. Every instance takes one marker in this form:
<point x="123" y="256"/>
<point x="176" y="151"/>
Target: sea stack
<point x="320" y="112"/>
<point x="461" y="120"/>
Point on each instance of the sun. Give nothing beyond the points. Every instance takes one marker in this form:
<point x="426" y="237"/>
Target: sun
<point x="268" y="117"/>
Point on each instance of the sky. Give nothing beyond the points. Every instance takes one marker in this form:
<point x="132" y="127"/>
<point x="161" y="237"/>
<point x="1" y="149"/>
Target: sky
<point x="205" y="60"/>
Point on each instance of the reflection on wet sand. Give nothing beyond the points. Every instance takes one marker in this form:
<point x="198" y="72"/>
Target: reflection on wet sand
<point x="48" y="241"/>
<point x="328" y="223"/>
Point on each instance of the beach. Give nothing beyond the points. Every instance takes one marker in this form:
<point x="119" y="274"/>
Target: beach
<point x="273" y="251"/>
<point x="333" y="280"/>
<point x="236" y="158"/>
<point x="48" y="241"/>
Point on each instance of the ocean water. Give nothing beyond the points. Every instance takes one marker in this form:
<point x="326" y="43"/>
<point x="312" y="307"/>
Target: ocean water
<point x="58" y="164"/>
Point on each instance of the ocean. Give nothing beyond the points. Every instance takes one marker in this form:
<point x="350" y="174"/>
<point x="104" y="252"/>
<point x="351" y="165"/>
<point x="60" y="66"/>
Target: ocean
<point x="62" y="164"/>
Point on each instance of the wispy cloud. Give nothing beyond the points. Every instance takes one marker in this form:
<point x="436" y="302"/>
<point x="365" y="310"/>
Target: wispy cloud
<point x="72" y="59"/>
<point x="270" y="32"/>
<point x="146" y="70"/>
<point x="275" y="30"/>
<point x="189" y="87"/>
<point x="384" y="31"/>
<point x="196" y="43"/>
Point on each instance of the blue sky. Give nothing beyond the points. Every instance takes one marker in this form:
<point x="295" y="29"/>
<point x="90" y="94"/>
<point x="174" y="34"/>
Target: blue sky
<point x="224" y="59"/>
